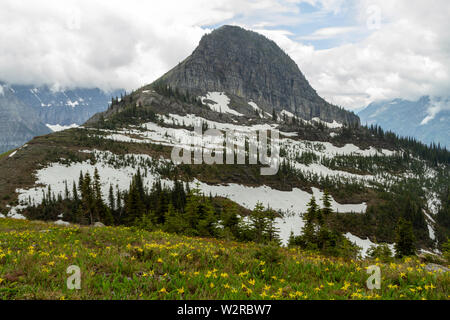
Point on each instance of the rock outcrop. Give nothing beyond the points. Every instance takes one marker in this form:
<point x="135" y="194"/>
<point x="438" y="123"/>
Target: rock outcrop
<point x="248" y="65"/>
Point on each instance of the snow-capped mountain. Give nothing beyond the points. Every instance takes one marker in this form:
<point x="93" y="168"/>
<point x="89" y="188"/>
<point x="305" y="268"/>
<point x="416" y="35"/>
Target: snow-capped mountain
<point x="64" y="107"/>
<point x="427" y="119"/>
<point x="51" y="109"/>
<point x="18" y="121"/>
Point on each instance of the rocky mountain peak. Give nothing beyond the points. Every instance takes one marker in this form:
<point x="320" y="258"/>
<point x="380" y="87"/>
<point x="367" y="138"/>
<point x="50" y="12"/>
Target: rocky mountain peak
<point x="247" y="65"/>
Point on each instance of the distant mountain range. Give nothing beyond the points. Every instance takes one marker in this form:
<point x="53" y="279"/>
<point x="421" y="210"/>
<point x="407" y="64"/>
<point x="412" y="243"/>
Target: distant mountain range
<point x="427" y="119"/>
<point x="28" y="111"/>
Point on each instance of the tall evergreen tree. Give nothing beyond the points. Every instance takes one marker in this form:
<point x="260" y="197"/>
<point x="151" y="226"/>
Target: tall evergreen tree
<point x="309" y="229"/>
<point x="404" y="244"/>
<point x="87" y="197"/>
<point x="258" y="219"/>
<point x="326" y="200"/>
<point x="199" y="214"/>
<point x="112" y="200"/>
<point x="230" y="219"/>
<point x="74" y="192"/>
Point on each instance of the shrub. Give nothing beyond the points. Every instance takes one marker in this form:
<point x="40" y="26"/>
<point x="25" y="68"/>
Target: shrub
<point x="269" y="253"/>
<point x="446" y="250"/>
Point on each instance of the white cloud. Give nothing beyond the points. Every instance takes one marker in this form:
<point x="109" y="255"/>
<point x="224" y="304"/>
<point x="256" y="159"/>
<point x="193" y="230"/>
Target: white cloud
<point x="436" y="106"/>
<point x="327" y="33"/>
<point x="112" y="44"/>
<point x="407" y="57"/>
<point x="335" y="6"/>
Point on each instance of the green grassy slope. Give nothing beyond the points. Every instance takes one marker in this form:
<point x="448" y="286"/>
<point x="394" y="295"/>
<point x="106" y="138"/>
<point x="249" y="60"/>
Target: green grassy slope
<point x="124" y="263"/>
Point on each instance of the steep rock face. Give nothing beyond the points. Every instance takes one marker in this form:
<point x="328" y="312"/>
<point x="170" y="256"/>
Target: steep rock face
<point x="19" y="123"/>
<point x="248" y="65"/>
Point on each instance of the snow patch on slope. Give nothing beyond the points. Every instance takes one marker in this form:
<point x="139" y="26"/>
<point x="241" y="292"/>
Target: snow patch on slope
<point x="220" y="103"/>
<point x="332" y="125"/>
<point x="365" y="244"/>
<point x="260" y="111"/>
<point x="55" y="175"/>
<point x="290" y="203"/>
<point x="57" y="127"/>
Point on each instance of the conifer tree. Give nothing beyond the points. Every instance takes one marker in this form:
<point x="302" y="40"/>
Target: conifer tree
<point x="230" y="219"/>
<point x="309" y="229"/>
<point x="175" y="222"/>
<point x="87" y="197"/>
<point x="66" y="190"/>
<point x="74" y="192"/>
<point x="271" y="230"/>
<point x="112" y="200"/>
<point x="134" y="208"/>
<point x="326" y="200"/>
<point x="258" y="222"/>
<point x="274" y="115"/>
<point x="404" y="244"/>
<point x="199" y="214"/>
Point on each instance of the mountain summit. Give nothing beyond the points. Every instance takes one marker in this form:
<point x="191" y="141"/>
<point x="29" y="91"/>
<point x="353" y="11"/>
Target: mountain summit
<point x="245" y="64"/>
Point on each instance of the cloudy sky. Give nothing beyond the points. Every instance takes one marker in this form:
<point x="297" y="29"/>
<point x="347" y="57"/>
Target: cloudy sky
<point x="352" y="52"/>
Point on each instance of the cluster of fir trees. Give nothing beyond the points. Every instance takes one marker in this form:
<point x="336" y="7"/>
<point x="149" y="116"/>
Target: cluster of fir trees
<point x="261" y="227"/>
<point x="405" y="200"/>
<point x="405" y="243"/>
<point x="372" y="135"/>
<point x="317" y="233"/>
<point x="166" y="90"/>
<point x="375" y="164"/>
<point x="130" y="114"/>
<point x="176" y="209"/>
<point x="83" y="205"/>
<point x="187" y="211"/>
<point x="91" y="205"/>
<point x="435" y="153"/>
